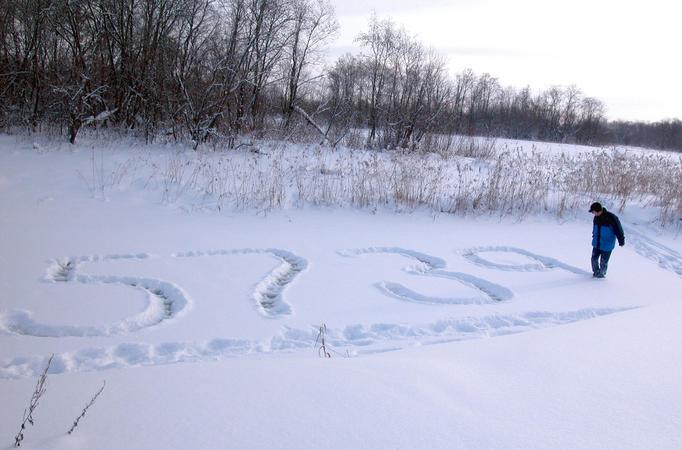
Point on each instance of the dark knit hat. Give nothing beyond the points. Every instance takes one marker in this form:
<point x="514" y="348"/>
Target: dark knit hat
<point x="595" y="207"/>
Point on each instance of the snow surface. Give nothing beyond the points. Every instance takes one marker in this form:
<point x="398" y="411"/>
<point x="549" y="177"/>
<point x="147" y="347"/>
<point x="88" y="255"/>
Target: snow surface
<point x="444" y="332"/>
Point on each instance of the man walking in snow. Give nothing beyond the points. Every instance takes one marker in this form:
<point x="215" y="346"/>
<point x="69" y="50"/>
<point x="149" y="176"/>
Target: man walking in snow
<point x="606" y="228"/>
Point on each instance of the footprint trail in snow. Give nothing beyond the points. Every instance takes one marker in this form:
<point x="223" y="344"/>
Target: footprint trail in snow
<point x="268" y="294"/>
<point x="428" y="265"/>
<point x="665" y="257"/>
<point x="357" y="339"/>
<point x="165" y="301"/>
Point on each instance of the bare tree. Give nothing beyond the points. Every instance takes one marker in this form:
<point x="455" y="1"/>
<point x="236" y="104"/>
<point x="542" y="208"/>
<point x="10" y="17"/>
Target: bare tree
<point x="312" y="24"/>
<point x="380" y="42"/>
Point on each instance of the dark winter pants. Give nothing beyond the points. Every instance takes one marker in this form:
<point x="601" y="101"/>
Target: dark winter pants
<point x="600" y="261"/>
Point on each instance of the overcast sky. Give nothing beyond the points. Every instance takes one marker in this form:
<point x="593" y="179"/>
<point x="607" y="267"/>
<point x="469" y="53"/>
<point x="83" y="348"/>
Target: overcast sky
<point x="626" y="53"/>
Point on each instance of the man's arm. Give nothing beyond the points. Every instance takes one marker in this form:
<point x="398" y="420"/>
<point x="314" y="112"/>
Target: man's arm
<point x="620" y="235"/>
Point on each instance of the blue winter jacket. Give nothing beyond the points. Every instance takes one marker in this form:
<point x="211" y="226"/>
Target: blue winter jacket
<point x="606" y="229"/>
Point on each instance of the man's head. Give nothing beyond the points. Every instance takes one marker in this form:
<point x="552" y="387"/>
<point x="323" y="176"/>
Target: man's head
<point x="596" y="208"/>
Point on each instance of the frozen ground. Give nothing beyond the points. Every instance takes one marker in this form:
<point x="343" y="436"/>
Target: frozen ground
<point x="444" y="332"/>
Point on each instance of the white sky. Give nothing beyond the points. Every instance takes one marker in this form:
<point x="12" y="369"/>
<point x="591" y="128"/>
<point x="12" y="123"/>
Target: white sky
<point x="625" y="53"/>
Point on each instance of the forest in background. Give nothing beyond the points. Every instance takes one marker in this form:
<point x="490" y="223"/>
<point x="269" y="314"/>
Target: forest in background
<point x="221" y="70"/>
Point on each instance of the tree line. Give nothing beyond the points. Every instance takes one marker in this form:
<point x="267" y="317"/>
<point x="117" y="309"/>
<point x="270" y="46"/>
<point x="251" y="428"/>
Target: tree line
<point x="206" y="69"/>
<point x="160" y="66"/>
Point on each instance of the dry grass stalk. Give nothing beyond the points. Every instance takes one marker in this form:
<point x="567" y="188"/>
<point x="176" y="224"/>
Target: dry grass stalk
<point x="85" y="409"/>
<point x="38" y="392"/>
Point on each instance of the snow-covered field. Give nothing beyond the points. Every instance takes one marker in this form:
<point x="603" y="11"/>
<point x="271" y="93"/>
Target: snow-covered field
<point x="444" y="331"/>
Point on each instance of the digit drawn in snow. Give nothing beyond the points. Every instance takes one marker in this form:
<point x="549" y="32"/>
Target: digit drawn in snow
<point x="357" y="339"/>
<point x="428" y="265"/>
<point x="541" y="263"/>
<point x="268" y="295"/>
<point x="165" y="301"/>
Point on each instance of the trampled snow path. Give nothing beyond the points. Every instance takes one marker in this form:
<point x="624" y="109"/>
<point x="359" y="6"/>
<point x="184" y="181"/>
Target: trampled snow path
<point x="543" y="262"/>
<point x="165" y="300"/>
<point x="357" y="339"/>
<point x="268" y="294"/>
<point x="433" y="266"/>
<point x="665" y="257"/>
